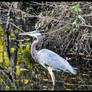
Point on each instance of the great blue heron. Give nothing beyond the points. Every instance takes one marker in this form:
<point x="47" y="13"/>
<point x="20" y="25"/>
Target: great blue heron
<point x="47" y="58"/>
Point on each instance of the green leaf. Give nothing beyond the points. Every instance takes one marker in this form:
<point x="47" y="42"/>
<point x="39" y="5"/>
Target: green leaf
<point x="12" y="34"/>
<point x="75" y="22"/>
<point x="17" y="70"/>
<point x="27" y="48"/>
<point x="25" y="43"/>
<point x="1" y="31"/>
<point x="77" y="25"/>
<point x="0" y="81"/>
<point x="7" y="88"/>
<point x="16" y="30"/>
<point x="1" y="48"/>
<point x="12" y="50"/>
<point x="1" y="41"/>
<point x="26" y="81"/>
<point x="29" y="66"/>
<point x="6" y="62"/>
<point x="77" y="9"/>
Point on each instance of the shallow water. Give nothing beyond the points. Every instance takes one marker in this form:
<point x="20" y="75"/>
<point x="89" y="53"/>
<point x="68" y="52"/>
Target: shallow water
<point x="41" y="80"/>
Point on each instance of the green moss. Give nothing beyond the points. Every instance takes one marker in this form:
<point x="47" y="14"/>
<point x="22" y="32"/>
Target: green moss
<point x="1" y="31"/>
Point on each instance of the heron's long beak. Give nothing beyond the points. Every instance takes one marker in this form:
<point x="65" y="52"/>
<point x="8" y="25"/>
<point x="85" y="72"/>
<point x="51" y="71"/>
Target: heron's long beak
<point x="30" y="33"/>
<point x="26" y="33"/>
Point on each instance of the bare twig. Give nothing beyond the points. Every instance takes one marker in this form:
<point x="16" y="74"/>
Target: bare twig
<point x="57" y="29"/>
<point x="6" y="73"/>
<point x="8" y="15"/>
<point x="16" y="26"/>
<point x="7" y="33"/>
<point x="4" y="83"/>
<point x="42" y="4"/>
<point x="79" y="54"/>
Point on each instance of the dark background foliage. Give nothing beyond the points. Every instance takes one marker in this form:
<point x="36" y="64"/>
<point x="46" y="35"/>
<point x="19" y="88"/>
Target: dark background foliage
<point x="66" y="29"/>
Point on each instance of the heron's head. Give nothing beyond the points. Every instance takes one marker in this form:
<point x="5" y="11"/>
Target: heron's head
<point x="35" y="33"/>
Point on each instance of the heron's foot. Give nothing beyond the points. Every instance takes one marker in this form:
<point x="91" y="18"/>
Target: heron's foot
<point x="51" y="89"/>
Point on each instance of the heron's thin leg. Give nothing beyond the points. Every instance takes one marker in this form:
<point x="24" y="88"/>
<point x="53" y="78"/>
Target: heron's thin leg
<point x="52" y="76"/>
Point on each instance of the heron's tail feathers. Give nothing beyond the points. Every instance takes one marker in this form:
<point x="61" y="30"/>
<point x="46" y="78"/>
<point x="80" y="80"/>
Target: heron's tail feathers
<point x="72" y="70"/>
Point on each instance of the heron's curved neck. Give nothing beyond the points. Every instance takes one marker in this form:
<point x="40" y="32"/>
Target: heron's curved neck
<point x="33" y="48"/>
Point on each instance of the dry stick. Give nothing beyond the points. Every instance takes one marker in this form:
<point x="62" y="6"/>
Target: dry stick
<point x="7" y="41"/>
<point x="57" y="29"/>
<point x="80" y="54"/>
<point x="15" y="53"/>
<point x="16" y="26"/>
<point x="7" y="33"/>
<point x="36" y="3"/>
<point x="4" y="83"/>
<point x="6" y="73"/>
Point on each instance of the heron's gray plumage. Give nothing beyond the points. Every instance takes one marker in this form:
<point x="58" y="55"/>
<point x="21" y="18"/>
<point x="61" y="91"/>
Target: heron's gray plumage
<point x="47" y="58"/>
<point x="54" y="61"/>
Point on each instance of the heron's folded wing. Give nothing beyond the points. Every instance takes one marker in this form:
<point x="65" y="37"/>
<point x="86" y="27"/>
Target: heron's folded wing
<point x="52" y="59"/>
